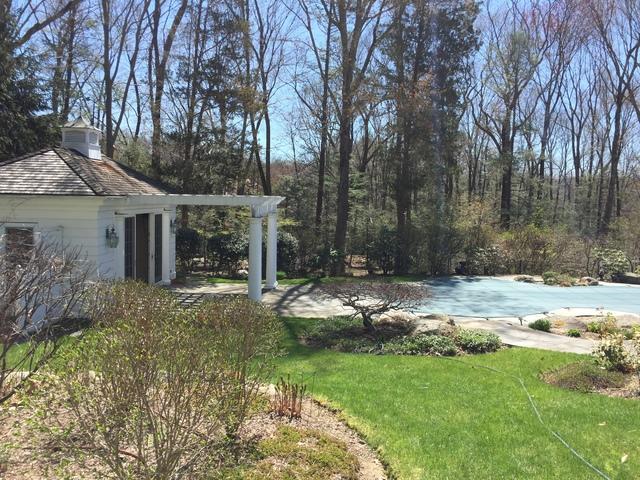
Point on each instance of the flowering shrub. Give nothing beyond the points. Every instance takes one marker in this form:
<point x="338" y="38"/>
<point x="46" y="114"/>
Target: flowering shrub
<point x="612" y="354"/>
<point x="611" y="262"/>
<point x="486" y="261"/>
<point x="604" y="327"/>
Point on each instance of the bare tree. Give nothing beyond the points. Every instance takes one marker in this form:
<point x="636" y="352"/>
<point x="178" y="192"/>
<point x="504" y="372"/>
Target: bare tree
<point x="158" y="58"/>
<point x="321" y="62"/>
<point x="31" y="18"/>
<point x="514" y="50"/>
<point x="42" y="285"/>
<point x="359" y="25"/>
<point x="122" y="23"/>
<point x="271" y="23"/>
<point x="618" y="34"/>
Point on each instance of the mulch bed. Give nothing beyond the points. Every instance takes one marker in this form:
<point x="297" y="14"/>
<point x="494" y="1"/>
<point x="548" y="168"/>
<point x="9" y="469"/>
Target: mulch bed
<point x="29" y="452"/>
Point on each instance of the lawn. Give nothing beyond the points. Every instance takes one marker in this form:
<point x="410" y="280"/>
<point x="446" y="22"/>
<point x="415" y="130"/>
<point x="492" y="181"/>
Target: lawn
<point x="322" y="280"/>
<point x="452" y="418"/>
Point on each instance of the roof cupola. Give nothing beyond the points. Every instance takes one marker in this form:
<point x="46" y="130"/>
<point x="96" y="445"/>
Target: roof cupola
<point x="83" y="137"/>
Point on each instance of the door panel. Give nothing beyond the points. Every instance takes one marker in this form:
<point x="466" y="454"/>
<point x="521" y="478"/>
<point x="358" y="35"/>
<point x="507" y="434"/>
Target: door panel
<point x="129" y="247"/>
<point x="158" y="249"/>
<point x="142" y="247"/>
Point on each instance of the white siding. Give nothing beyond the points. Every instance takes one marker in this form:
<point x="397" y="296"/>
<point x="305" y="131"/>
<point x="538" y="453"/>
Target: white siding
<point x="71" y="223"/>
<point x="82" y="221"/>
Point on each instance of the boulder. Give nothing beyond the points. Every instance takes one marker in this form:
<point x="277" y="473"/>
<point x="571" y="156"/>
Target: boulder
<point x="587" y="282"/>
<point x="629" y="277"/>
<point x="525" y="279"/>
<point x="447" y="329"/>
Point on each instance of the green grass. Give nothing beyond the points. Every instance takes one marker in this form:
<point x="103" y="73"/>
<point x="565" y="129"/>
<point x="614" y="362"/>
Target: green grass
<point x="451" y="418"/>
<point x="16" y="353"/>
<point x="322" y="280"/>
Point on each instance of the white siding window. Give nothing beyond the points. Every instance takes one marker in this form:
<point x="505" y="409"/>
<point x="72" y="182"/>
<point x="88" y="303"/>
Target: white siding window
<point x="19" y="241"/>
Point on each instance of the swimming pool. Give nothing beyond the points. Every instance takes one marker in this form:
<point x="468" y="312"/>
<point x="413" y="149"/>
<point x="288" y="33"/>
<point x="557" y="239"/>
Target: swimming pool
<point x="495" y="297"/>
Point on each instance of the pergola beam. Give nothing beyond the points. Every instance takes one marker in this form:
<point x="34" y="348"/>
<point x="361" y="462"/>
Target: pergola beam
<point x="261" y="206"/>
<point x="262" y="202"/>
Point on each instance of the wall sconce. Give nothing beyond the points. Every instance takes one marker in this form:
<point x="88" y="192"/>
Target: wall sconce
<point x="172" y="226"/>
<point x="112" y="237"/>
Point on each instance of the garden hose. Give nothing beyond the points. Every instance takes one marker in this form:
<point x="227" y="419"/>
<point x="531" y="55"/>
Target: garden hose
<point x="538" y="415"/>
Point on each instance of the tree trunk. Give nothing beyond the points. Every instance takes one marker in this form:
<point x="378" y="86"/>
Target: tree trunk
<point x="108" y="80"/>
<point x="324" y="127"/>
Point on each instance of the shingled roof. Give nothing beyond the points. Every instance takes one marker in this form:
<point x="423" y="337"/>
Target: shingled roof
<point x="62" y="171"/>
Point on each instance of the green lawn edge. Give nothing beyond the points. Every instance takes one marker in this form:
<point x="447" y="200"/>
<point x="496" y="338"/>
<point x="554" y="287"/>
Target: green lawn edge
<point x="459" y="418"/>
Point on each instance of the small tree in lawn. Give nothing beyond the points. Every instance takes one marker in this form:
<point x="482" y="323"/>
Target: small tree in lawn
<point x="369" y="299"/>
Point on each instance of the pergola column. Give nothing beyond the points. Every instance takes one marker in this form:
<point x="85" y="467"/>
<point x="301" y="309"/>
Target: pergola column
<point x="255" y="257"/>
<point x="272" y="250"/>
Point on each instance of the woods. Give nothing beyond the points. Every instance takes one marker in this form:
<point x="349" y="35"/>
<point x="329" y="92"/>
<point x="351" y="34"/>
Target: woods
<point x="501" y="134"/>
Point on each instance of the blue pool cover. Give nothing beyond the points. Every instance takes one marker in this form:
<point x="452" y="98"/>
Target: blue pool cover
<point x="494" y="297"/>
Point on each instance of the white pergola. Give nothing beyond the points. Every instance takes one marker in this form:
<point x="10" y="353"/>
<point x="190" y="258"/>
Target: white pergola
<point x="261" y="206"/>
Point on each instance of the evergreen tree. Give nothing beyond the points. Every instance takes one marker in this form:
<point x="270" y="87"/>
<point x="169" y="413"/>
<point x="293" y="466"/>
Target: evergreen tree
<point x="22" y="129"/>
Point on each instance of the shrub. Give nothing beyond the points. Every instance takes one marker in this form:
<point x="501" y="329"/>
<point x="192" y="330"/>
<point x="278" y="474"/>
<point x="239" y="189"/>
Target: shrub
<point x="42" y="288"/>
<point x="154" y="380"/>
<point x="550" y="278"/>
<point x="423" y="344"/>
<point x="584" y="377"/>
<point x="355" y="345"/>
<point x="542" y="324"/>
<point x="486" y="261"/>
<point x="188" y="247"/>
<point x="528" y="248"/>
<point x="287" y="251"/>
<point x="554" y="278"/>
<point x="326" y="259"/>
<point x="574" y="332"/>
<point x="153" y="393"/>
<point x="612" y="354"/>
<point x="603" y="327"/>
<point x="477" y="341"/>
<point x="227" y="250"/>
<point x="593" y="327"/>
<point x="611" y="262"/>
<point x="382" y="250"/>
<point x="631" y="333"/>
<point x="326" y="332"/>
<point x="246" y="335"/>
<point x="345" y="334"/>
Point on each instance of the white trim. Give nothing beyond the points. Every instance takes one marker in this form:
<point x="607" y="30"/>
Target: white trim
<point x="272" y="250"/>
<point x="172" y="199"/>
<point x="255" y="258"/>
